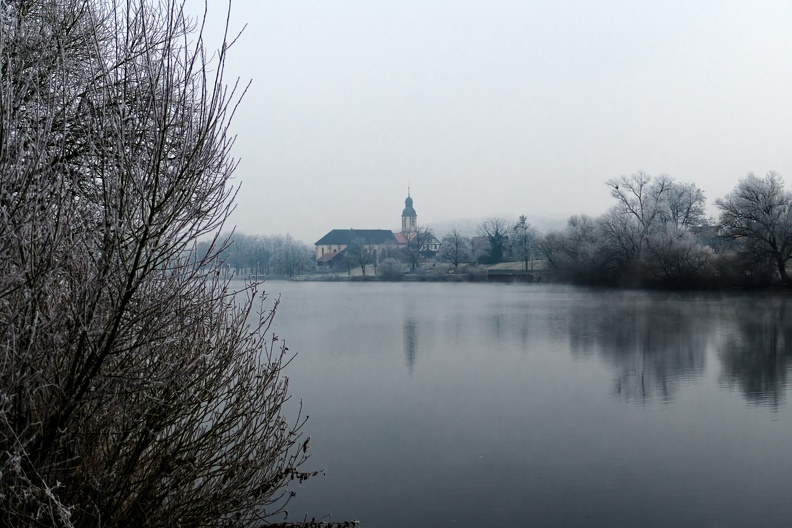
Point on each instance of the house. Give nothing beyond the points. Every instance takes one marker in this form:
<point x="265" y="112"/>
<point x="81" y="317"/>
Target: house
<point x="410" y="229"/>
<point x="334" y="243"/>
<point x="331" y="248"/>
<point x="431" y="245"/>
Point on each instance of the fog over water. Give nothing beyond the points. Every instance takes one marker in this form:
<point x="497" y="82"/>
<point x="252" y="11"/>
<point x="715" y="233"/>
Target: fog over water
<point x="494" y="405"/>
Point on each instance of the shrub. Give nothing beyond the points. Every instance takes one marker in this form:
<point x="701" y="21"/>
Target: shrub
<point x="132" y="390"/>
<point x="390" y="269"/>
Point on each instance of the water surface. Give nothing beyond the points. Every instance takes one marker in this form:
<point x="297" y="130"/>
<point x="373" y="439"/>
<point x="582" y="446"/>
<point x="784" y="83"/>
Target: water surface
<point x="483" y="405"/>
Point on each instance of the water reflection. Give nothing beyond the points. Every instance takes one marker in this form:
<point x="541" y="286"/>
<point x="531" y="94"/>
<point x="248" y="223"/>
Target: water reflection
<point x="410" y="340"/>
<point x="517" y="404"/>
<point x="652" y="342"/>
<point x="755" y="350"/>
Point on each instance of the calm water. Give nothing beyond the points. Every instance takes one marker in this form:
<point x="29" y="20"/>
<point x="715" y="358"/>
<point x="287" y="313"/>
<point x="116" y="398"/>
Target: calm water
<point x="475" y="405"/>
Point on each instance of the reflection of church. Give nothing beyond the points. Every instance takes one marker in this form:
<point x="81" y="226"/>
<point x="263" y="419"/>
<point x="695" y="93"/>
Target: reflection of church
<point x="331" y="247"/>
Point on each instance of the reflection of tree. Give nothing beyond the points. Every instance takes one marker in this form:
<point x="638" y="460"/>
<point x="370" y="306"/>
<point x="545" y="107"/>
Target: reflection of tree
<point x="410" y="341"/>
<point x="754" y="355"/>
<point x="652" y="342"/>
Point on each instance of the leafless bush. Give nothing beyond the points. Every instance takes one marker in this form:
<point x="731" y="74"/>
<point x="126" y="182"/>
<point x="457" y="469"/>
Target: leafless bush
<point x="390" y="269"/>
<point x="476" y="273"/>
<point x="132" y="390"/>
<point x="676" y="258"/>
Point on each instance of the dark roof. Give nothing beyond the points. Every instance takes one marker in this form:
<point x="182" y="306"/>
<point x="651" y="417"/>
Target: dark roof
<point x="345" y="236"/>
<point x="408" y="207"/>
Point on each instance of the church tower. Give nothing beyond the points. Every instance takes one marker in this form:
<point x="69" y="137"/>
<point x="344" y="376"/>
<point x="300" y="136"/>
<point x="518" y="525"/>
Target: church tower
<point x="409" y="216"/>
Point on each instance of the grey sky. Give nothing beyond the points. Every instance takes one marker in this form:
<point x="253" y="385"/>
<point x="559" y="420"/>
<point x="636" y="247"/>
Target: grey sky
<point x="498" y="107"/>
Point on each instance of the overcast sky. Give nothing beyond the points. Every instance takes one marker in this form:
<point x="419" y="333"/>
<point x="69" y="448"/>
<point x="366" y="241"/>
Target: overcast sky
<point x="500" y="108"/>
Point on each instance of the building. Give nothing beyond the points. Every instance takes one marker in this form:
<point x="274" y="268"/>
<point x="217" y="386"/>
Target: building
<point x="331" y="248"/>
<point x="333" y="244"/>
<point x="409" y="217"/>
<point x="410" y="228"/>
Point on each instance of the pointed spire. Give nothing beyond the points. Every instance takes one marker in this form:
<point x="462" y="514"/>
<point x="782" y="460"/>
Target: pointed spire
<point x="409" y="216"/>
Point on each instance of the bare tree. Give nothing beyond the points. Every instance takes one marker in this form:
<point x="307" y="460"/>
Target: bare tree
<point x="496" y="231"/>
<point x="417" y="245"/>
<point x="390" y="250"/>
<point x="359" y="253"/>
<point x="622" y="245"/>
<point x="455" y="248"/>
<point x="685" y="206"/>
<point x="582" y="234"/>
<point x="578" y="253"/>
<point x="758" y="214"/>
<point x="641" y="201"/>
<point x="132" y="389"/>
<point x="646" y="207"/>
<point x="522" y="241"/>
<point x="291" y="257"/>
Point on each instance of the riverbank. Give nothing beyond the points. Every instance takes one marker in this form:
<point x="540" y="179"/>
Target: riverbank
<point x="503" y="272"/>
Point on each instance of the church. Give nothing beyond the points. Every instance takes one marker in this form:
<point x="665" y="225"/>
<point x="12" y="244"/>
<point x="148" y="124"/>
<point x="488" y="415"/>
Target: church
<point x="330" y="248"/>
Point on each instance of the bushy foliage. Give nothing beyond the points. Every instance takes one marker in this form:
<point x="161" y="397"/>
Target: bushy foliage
<point x="647" y="239"/>
<point x="133" y="391"/>
<point x="496" y="231"/>
<point x="390" y="269"/>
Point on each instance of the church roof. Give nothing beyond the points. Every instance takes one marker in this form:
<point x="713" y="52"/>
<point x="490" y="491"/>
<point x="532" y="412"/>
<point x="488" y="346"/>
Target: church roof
<point x="408" y="207"/>
<point x="345" y="236"/>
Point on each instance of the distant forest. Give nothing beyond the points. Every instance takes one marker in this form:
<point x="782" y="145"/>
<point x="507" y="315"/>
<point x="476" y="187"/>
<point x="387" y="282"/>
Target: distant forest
<point x="279" y="255"/>
<point x="655" y="235"/>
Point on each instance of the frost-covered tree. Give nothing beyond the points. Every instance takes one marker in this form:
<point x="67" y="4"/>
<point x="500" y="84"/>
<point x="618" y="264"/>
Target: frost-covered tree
<point x="758" y="215"/>
<point x="417" y="246"/>
<point x="646" y="237"/>
<point x="675" y="258"/>
<point x="390" y="269"/>
<point x="649" y="212"/>
<point x="496" y="231"/>
<point x="291" y="257"/>
<point x="133" y="391"/>
<point x="575" y="254"/>
<point x="455" y="248"/>
<point x="359" y="253"/>
<point x="523" y="241"/>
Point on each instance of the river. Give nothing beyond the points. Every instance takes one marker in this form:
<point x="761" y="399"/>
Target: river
<point x="478" y="405"/>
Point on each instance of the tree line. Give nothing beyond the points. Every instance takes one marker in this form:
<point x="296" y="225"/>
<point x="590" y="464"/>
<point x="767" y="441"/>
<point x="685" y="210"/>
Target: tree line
<point x="655" y="234"/>
<point x="257" y="255"/>
<point x="498" y="240"/>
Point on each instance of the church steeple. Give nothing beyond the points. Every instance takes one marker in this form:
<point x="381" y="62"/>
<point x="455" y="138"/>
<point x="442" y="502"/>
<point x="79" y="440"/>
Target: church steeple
<point x="409" y="216"/>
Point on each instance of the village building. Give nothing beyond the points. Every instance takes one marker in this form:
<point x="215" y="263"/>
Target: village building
<point x="331" y="248"/>
<point x="409" y="217"/>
